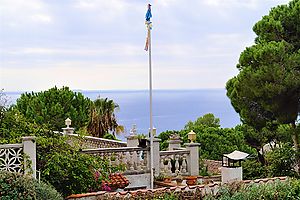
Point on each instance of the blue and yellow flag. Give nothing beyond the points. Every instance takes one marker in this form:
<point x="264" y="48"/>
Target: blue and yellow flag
<point x="149" y="25"/>
<point x="148" y="13"/>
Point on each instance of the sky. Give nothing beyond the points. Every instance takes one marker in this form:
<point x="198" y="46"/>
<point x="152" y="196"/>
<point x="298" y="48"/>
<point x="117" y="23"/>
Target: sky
<point x="99" y="44"/>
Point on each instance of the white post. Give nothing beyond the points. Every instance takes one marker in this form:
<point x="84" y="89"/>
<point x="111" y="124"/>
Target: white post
<point x="193" y="161"/>
<point x="156" y="155"/>
<point x="150" y="96"/>
<point x="29" y="148"/>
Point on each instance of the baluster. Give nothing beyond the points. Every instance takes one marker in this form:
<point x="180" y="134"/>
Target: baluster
<point x="162" y="165"/>
<point x="124" y="160"/>
<point x="131" y="162"/>
<point x="138" y="160"/>
<point x="117" y="157"/>
<point x="176" y="164"/>
<point x="169" y="166"/>
<point x="184" y="165"/>
<point x="142" y="163"/>
<point x="109" y="158"/>
<point x="145" y="160"/>
<point x="102" y="156"/>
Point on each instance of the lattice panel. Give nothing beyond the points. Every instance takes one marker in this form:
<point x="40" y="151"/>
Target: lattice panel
<point x="11" y="159"/>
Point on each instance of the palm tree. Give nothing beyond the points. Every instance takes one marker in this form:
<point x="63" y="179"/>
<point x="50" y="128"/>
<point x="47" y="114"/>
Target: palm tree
<point x="103" y="119"/>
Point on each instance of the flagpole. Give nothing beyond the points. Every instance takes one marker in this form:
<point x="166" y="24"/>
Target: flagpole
<point x="151" y="114"/>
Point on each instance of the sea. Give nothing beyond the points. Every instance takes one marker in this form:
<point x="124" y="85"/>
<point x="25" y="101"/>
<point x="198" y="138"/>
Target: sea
<point x="172" y="109"/>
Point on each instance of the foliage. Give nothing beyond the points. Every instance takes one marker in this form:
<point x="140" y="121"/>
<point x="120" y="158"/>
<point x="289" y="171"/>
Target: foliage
<point x="18" y="186"/>
<point x="68" y="170"/>
<point x="214" y="141"/>
<point x="266" y="91"/>
<point x="103" y="119"/>
<point x="207" y="120"/>
<point x="281" y="161"/>
<point x="165" y="136"/>
<point x="46" y="191"/>
<point x="269" y="191"/>
<point x="109" y="136"/>
<point x="252" y="169"/>
<point x="53" y="106"/>
<point x="3" y="104"/>
<point x="14" y="126"/>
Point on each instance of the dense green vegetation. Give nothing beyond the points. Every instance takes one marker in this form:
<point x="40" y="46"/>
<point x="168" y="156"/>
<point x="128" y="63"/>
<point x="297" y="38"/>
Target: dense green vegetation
<point x="60" y="164"/>
<point x="266" y="92"/>
<point x="269" y="191"/>
<point x="17" y="186"/>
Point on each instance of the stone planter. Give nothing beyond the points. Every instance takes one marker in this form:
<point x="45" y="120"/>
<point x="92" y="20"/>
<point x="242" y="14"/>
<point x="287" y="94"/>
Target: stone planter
<point x="191" y="180"/>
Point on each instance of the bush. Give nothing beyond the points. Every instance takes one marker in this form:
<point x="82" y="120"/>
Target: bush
<point x="21" y="187"/>
<point x="46" y="192"/>
<point x="269" y="191"/>
<point x="252" y="169"/>
<point x="68" y="170"/>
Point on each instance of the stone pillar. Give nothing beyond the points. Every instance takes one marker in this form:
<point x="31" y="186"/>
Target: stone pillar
<point x="29" y="149"/>
<point x="193" y="159"/>
<point x="132" y="141"/>
<point x="156" y="156"/>
<point x="174" y="142"/>
<point x="230" y="174"/>
<point x="68" y="130"/>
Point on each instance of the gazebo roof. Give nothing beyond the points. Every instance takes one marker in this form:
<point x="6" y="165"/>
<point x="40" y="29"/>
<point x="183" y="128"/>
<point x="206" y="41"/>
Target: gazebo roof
<point x="237" y="155"/>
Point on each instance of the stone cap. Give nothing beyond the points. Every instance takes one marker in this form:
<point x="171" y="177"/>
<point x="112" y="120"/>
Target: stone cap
<point x="28" y="138"/>
<point x="191" y="144"/>
<point x="237" y="155"/>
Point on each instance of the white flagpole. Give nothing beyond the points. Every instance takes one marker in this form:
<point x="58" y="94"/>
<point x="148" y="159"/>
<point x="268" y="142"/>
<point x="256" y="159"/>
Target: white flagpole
<point x="151" y="114"/>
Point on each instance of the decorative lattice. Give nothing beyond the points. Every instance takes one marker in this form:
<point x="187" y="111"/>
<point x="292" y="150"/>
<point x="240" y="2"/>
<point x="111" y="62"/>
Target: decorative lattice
<point x="11" y="159"/>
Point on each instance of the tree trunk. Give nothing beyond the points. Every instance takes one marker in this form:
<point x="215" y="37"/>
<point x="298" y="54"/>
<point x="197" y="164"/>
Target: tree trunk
<point x="295" y="138"/>
<point x="261" y="157"/>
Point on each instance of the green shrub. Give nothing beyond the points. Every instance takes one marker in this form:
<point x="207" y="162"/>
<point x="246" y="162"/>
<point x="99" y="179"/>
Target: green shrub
<point x="16" y="186"/>
<point x="72" y="172"/>
<point x="46" y="192"/>
<point x="269" y="191"/>
<point x="252" y="169"/>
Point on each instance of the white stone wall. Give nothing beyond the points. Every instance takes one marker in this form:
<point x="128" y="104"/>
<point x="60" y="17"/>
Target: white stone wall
<point x="231" y="174"/>
<point x="138" y="180"/>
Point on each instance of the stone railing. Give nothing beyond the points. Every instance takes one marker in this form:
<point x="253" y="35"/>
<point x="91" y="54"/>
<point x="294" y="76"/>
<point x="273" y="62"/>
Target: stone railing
<point x="135" y="159"/>
<point x="12" y="157"/>
<point x="174" y="162"/>
<point x="89" y="142"/>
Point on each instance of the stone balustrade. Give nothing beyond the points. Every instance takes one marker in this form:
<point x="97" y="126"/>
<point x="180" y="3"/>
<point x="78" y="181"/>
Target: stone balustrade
<point x="174" y="162"/>
<point x="95" y="142"/>
<point x="135" y="159"/>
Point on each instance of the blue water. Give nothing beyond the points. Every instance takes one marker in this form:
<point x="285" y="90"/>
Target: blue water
<point x="172" y="109"/>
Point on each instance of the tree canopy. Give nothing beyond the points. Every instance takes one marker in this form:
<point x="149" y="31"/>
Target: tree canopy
<point x="267" y="89"/>
<point x="53" y="106"/>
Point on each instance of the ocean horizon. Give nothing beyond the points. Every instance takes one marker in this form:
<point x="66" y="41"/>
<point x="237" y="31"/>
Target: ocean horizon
<point x="172" y="109"/>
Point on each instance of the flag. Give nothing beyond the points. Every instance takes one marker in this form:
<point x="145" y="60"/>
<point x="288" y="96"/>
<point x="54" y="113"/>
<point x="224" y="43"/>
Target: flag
<point x="149" y="26"/>
<point x="148" y="13"/>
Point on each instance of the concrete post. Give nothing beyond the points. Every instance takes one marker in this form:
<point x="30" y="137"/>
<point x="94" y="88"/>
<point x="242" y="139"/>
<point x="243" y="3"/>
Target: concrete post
<point x="193" y="159"/>
<point x="174" y="143"/>
<point x="132" y="141"/>
<point x="230" y="174"/>
<point x="156" y="156"/>
<point x="29" y="149"/>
